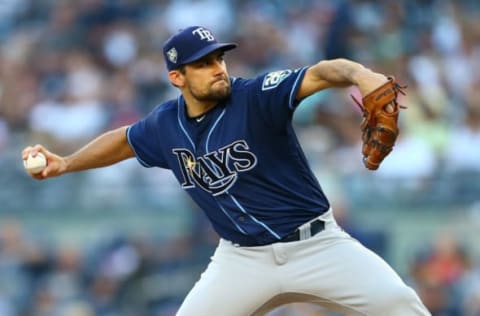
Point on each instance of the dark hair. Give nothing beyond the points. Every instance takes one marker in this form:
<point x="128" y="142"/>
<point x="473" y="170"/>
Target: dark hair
<point x="182" y="69"/>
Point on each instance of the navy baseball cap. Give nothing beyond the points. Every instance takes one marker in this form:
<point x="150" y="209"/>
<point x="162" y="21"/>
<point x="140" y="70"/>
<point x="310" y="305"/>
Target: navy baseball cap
<point x="191" y="44"/>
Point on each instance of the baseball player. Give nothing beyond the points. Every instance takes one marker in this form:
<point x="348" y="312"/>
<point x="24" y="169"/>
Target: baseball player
<point x="230" y="143"/>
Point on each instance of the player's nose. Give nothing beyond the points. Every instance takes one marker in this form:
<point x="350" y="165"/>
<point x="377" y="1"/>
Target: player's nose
<point x="218" y="67"/>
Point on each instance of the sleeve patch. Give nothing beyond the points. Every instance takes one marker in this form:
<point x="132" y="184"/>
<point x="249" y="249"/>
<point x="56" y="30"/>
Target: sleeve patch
<point x="273" y="79"/>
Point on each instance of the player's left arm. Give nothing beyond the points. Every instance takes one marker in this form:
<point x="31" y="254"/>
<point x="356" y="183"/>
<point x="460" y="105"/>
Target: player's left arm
<point x="337" y="73"/>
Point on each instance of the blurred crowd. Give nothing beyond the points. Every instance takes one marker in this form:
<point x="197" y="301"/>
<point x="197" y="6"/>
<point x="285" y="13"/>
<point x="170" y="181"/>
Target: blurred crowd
<point x="70" y="70"/>
<point x="116" y="276"/>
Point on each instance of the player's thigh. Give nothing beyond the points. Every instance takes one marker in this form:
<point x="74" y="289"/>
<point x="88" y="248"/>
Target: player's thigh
<point x="348" y="274"/>
<point x="231" y="285"/>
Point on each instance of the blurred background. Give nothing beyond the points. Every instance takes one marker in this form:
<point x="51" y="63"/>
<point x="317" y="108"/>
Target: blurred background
<point x="126" y="240"/>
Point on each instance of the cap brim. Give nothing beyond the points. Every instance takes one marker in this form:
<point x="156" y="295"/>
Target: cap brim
<point x="208" y="49"/>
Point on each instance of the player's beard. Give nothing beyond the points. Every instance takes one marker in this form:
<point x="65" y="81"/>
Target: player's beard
<point x="213" y="94"/>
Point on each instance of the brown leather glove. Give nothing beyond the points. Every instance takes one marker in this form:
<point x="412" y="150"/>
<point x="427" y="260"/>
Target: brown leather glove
<point x="380" y="122"/>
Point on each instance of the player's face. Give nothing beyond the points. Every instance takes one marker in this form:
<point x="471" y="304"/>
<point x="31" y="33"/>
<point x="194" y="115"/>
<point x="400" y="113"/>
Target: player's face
<point x="207" y="79"/>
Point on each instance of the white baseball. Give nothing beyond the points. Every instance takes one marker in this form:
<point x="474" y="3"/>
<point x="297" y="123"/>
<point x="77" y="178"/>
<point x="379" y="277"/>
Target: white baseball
<point x="35" y="164"/>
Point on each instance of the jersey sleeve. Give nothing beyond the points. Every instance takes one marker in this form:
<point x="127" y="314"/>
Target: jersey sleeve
<point x="275" y="94"/>
<point x="143" y="137"/>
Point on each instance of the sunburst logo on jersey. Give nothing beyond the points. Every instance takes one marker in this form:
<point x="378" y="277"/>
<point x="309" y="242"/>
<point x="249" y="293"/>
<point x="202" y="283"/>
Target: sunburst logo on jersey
<point x="190" y="164"/>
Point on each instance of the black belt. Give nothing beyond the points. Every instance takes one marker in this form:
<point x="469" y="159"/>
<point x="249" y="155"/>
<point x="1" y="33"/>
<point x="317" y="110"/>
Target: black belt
<point x="316" y="226"/>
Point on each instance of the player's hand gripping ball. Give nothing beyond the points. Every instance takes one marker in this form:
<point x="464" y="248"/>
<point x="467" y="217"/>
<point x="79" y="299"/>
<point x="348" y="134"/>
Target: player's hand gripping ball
<point x="380" y="122"/>
<point x="35" y="164"/>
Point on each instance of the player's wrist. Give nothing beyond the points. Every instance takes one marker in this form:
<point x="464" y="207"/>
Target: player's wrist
<point x="65" y="164"/>
<point x="367" y="80"/>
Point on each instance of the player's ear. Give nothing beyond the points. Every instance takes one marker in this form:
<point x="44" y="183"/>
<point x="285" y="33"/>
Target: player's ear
<point x="176" y="78"/>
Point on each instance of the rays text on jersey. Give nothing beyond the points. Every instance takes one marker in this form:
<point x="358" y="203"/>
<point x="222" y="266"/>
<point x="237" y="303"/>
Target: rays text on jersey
<point x="216" y="171"/>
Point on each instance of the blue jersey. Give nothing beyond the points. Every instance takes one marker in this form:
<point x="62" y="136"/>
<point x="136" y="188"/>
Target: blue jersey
<point x="242" y="163"/>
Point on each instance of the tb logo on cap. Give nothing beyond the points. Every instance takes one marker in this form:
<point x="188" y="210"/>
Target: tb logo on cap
<point x="204" y="34"/>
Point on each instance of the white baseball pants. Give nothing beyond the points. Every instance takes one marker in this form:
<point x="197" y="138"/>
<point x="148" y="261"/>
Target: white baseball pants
<point x="331" y="269"/>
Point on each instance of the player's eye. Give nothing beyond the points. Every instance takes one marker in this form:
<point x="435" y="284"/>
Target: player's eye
<point x="200" y="64"/>
<point x="208" y="61"/>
